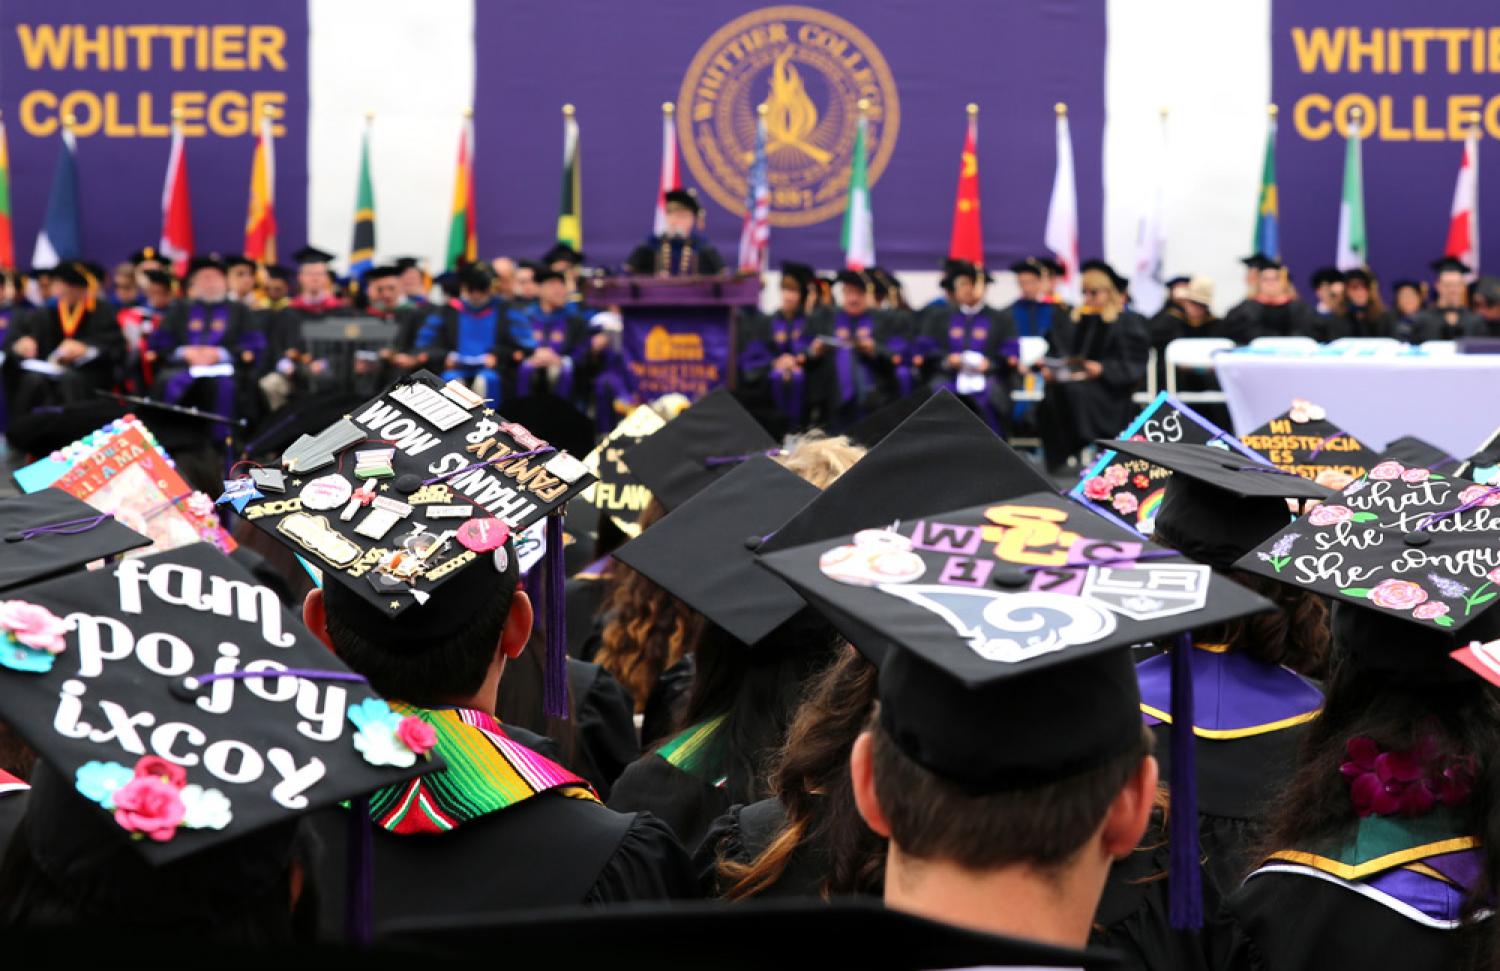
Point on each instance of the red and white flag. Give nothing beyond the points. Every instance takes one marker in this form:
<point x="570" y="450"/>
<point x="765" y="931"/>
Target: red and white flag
<point x="671" y="178"/>
<point x="1463" y="224"/>
<point x="1061" y="234"/>
<point x="176" y="207"/>
<point x="755" y="235"/>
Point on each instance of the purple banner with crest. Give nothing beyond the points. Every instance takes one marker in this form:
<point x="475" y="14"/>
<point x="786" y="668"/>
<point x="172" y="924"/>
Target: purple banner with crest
<point x="684" y="350"/>
<point x="916" y="65"/>
<point x="1415" y="71"/>
<point x="121" y="70"/>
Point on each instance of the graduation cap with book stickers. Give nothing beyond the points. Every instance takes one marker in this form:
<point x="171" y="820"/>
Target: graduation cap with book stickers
<point x="1304" y="440"/>
<point x="406" y="493"/>
<point x="1013" y="619"/>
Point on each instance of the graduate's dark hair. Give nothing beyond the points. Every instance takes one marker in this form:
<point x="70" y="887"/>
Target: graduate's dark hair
<point x="1461" y="715"/>
<point x="932" y="818"/>
<point x="811" y="781"/>
<point x="1295" y="636"/>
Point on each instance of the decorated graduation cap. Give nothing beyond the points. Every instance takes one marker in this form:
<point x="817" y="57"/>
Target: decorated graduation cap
<point x="418" y="489"/>
<point x="1412" y="451"/>
<point x="703" y="552"/>
<point x="1303" y="440"/>
<point x="184" y="701"/>
<point x="1013" y="619"/>
<point x="697" y="447"/>
<point x="618" y="493"/>
<point x="50" y="533"/>
<point x="1218" y="505"/>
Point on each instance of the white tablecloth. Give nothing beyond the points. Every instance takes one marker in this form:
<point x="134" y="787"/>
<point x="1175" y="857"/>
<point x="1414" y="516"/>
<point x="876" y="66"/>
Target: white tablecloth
<point x="1451" y="401"/>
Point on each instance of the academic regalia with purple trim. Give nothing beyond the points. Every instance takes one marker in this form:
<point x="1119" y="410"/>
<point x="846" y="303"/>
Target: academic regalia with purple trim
<point x="763" y="339"/>
<point x="566" y="334"/>
<point x="225" y="326"/>
<point x="844" y="385"/>
<point x="987" y="332"/>
<point x="691" y="255"/>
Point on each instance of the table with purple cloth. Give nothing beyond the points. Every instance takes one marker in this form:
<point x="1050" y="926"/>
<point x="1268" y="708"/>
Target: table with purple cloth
<point x="1452" y="401"/>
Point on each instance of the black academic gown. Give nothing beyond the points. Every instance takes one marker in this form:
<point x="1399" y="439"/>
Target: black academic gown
<point x="680" y="783"/>
<point x="1360" y="322"/>
<point x="838" y="396"/>
<point x="99" y="329"/>
<point x="742" y="834"/>
<point x="992" y="333"/>
<point x="1250" y="319"/>
<point x="1436" y="324"/>
<point x="681" y="256"/>
<point x="1076" y="413"/>
<point x="605" y="718"/>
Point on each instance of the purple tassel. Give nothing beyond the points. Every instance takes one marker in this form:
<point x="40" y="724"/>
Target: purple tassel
<point x="359" y="901"/>
<point x="555" y="697"/>
<point x="1184" y="880"/>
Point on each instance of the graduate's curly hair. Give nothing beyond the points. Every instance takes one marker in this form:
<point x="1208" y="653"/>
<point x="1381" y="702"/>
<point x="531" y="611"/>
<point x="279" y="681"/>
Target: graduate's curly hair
<point x="646" y="629"/>
<point x="811" y="781"/>
<point x="1295" y="636"/>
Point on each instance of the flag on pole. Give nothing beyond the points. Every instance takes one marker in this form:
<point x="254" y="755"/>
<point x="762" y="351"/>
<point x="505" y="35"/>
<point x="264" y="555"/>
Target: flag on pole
<point x="176" y="206"/>
<point x="570" y="212"/>
<point x="755" y="236"/>
<point x="858" y="236"/>
<point x="60" y="238"/>
<point x="362" y="249"/>
<point x="260" y="221"/>
<point x="1267" y="207"/>
<point x="7" y="236"/>
<point x="1147" y="292"/>
<point x="671" y="178"/>
<point x="967" y="241"/>
<point x="1353" y="247"/>
<point x="463" y="240"/>
<point x="1061" y="235"/>
<point x="1463" y="223"/>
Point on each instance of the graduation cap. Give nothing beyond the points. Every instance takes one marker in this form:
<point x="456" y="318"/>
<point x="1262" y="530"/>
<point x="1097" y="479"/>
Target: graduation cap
<point x="703" y="551"/>
<point x="404" y="263"/>
<point x="182" y="698"/>
<point x="278" y="272"/>
<point x="563" y="253"/>
<point x="50" y="533"/>
<point x="381" y="273"/>
<point x="801" y="273"/>
<point x="232" y="260"/>
<point x="73" y="274"/>
<point x="1449" y="264"/>
<point x="1326" y="274"/>
<point x="1260" y="261"/>
<point x="1360" y="273"/>
<point x="1218" y="505"/>
<point x="1177" y="281"/>
<point x="1412" y="451"/>
<point x="1416" y="285"/>
<point x="1410" y="558"/>
<point x="545" y="275"/>
<point x="874" y="427"/>
<point x="697" y="447"/>
<point x="198" y="263"/>
<point x="1052" y="266"/>
<point x="1029" y="265"/>
<point x="681" y="197"/>
<point x="1099" y="266"/>
<point x="311" y="254"/>
<point x="853" y="278"/>
<point x="963" y="268"/>
<point x="146" y="254"/>
<point x="618" y="493"/>
<point x="1484" y="465"/>
<point x="1303" y="440"/>
<point x="161" y="278"/>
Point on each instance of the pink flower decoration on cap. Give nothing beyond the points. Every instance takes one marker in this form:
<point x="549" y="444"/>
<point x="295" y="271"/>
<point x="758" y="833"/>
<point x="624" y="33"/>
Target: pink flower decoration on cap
<point x="1326" y="515"/>
<point x="34" y="626"/>
<point x="149" y="806"/>
<point x="200" y="505"/>
<point x="156" y="767"/>
<point x="1116" y="475"/>
<point x="1494" y="575"/>
<point x="1387" y="470"/>
<point x="1415" y="475"/>
<point x="1430" y="610"/>
<point x="1473" y="492"/>
<point x="1097" y="488"/>
<point x="416" y="735"/>
<point x="1125" y="503"/>
<point x="1397" y="594"/>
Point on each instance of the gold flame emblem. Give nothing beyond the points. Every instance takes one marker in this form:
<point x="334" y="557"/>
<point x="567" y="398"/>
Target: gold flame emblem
<point x="810" y="69"/>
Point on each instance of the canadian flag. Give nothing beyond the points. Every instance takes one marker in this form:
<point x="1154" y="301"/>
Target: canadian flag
<point x="1463" y="224"/>
<point x="670" y="178"/>
<point x="176" y="208"/>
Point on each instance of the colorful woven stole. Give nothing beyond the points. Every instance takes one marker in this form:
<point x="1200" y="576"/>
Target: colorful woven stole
<point x="698" y="751"/>
<point x="486" y="772"/>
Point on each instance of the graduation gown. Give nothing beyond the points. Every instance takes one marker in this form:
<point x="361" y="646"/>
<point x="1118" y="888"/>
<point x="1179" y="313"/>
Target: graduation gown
<point x="1436" y="324"/>
<point x="675" y="256"/>
<point x="1360" y="322"/>
<point x="98" y="328"/>
<point x="1075" y="413"/>
<point x="1250" y="319"/>
<point x="225" y="325"/>
<point x="844" y="385"/>
<point x="682" y="783"/>
<point x="566" y="334"/>
<point x="988" y="332"/>
<point x="762" y="339"/>
<point x="482" y="837"/>
<point x="742" y="834"/>
<point x="1033" y="318"/>
<point x="605" y="717"/>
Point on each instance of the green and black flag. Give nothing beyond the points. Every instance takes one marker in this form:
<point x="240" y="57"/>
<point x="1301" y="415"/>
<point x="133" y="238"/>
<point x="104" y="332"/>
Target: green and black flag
<point x="362" y="252"/>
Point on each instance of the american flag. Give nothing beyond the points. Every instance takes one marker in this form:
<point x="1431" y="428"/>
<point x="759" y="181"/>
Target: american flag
<point x="755" y="237"/>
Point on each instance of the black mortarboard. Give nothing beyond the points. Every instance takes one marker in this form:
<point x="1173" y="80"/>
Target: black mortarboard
<point x="1008" y="620"/>
<point x="202" y="263"/>
<point x="1218" y="505"/>
<point x="473" y="277"/>
<point x="185" y="751"/>
<point x="1304" y="441"/>
<point x="1176" y="281"/>
<point x="874" y="427"/>
<point x="408" y="492"/>
<point x="49" y="533"/>
<point x="800" y="272"/>
<point x="1326" y="274"/>
<point x="404" y="263"/>
<point x="311" y="254"/>
<point x="1051" y="265"/>
<point x="1260" y="261"/>
<point x="1484" y="465"/>
<point x="562" y="252"/>
<point x="1029" y="265"/>
<point x="278" y="272"/>
<point x="71" y="273"/>
<point x="853" y="278"/>
<point x="703" y="551"/>
<point x="146" y="254"/>
<point x="545" y="274"/>
<point x="1449" y="264"/>
<point x="844" y="932"/>
<point x="160" y="277"/>
<point x="966" y="269"/>
<point x="1409" y="285"/>
<point x="1120" y="283"/>
<point x="233" y="260"/>
<point x="698" y="446"/>
<point x="1415" y="554"/>
<point x="1412" y="451"/>
<point x="681" y="197"/>
<point x="381" y="273"/>
<point x="1360" y="273"/>
<point x="618" y="493"/>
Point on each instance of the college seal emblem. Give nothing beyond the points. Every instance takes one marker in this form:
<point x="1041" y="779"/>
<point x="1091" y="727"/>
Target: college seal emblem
<point x="810" y="69"/>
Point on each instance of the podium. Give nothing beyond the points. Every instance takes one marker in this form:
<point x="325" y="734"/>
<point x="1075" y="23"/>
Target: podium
<point x="679" y="333"/>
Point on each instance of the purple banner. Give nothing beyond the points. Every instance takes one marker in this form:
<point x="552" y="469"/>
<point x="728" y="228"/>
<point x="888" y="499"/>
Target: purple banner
<point x="683" y="350"/>
<point x="917" y="65"/>
<point x="1415" y="70"/>
<point x="121" y="70"/>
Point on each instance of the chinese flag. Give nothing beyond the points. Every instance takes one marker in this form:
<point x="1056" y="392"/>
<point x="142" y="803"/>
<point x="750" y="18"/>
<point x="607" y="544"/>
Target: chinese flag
<point x="967" y="242"/>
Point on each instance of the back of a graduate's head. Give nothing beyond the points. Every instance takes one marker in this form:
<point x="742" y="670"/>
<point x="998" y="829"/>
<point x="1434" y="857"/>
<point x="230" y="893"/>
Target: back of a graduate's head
<point x="934" y="819"/>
